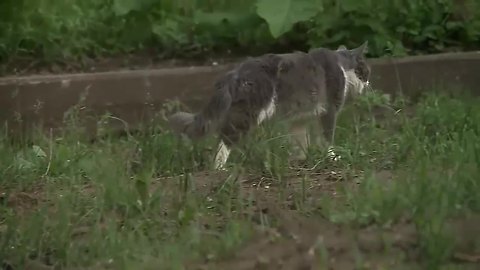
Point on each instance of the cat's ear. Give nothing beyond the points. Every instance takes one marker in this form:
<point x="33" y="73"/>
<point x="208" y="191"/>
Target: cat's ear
<point x="360" y="50"/>
<point x="342" y="48"/>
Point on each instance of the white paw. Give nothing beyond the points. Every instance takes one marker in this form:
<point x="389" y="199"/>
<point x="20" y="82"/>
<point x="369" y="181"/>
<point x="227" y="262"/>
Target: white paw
<point x="222" y="155"/>
<point x="220" y="167"/>
<point x="332" y="155"/>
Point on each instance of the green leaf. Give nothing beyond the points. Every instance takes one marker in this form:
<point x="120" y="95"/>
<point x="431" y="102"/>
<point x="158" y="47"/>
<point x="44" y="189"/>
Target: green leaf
<point x="281" y="15"/>
<point x="39" y="152"/>
<point x="24" y="164"/>
<point x="169" y="29"/>
<point x="352" y="5"/>
<point x="141" y="185"/>
<point x="217" y="17"/>
<point x="123" y="7"/>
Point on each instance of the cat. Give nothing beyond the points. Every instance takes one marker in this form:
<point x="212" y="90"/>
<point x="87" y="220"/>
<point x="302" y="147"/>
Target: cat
<point x="295" y="86"/>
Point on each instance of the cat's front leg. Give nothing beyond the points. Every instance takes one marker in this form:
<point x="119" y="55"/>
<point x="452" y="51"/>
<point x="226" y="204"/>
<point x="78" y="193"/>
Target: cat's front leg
<point x="299" y="139"/>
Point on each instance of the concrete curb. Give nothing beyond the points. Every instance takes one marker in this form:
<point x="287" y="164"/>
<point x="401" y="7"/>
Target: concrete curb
<point x="134" y="95"/>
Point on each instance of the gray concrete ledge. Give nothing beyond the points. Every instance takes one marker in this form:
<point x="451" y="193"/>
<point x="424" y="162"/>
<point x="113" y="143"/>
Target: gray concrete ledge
<point x="135" y="95"/>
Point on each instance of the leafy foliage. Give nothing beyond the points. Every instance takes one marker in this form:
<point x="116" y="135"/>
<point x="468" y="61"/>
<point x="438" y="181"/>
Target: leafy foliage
<point x="281" y="15"/>
<point x="400" y="26"/>
<point x="53" y="31"/>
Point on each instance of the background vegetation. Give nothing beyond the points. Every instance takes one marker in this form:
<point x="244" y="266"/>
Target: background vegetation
<point x="60" y="31"/>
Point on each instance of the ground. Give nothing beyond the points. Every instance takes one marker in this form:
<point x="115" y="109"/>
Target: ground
<point x="403" y="196"/>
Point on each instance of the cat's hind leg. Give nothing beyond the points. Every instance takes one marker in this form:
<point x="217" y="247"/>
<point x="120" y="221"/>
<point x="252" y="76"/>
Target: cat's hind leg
<point x="221" y="157"/>
<point x="237" y="125"/>
<point x="233" y="130"/>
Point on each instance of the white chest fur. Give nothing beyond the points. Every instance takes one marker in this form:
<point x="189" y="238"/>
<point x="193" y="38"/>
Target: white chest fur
<point x="352" y="82"/>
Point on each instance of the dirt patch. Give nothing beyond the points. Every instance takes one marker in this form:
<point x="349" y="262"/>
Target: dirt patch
<point x="308" y="243"/>
<point x="24" y="201"/>
<point x="294" y="239"/>
<point x="37" y="195"/>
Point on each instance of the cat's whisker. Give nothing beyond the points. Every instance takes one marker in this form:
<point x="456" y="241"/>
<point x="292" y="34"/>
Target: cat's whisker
<point x="368" y="87"/>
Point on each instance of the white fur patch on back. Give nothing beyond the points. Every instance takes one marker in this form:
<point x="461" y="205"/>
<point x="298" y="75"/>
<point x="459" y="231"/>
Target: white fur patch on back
<point x="268" y="111"/>
<point x="222" y="155"/>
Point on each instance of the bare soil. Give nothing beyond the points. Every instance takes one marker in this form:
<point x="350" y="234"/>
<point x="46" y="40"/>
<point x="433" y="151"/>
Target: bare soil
<point x="302" y="242"/>
<point x="299" y="241"/>
<point x="307" y="242"/>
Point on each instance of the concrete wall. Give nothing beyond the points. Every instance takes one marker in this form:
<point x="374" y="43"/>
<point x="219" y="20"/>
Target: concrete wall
<point x="133" y="95"/>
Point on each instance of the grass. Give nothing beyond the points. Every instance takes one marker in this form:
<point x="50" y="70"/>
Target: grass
<point x="148" y="201"/>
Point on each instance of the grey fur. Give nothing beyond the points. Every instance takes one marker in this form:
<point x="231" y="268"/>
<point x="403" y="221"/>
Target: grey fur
<point x="295" y="86"/>
<point x="249" y="85"/>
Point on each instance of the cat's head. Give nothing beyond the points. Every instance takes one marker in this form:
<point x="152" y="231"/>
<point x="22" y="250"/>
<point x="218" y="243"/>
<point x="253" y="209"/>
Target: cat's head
<point x="355" y="64"/>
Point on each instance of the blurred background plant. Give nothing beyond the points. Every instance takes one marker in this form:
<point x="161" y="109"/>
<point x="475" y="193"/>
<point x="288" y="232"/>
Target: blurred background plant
<point x="62" y="31"/>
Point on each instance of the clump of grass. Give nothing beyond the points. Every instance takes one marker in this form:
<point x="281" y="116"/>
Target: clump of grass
<point x="433" y="172"/>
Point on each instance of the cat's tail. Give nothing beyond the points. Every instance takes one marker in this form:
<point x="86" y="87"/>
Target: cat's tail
<point x="198" y="125"/>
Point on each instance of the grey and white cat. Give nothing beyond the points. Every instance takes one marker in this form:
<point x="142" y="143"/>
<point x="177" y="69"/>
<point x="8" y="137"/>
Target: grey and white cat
<point x="294" y="87"/>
